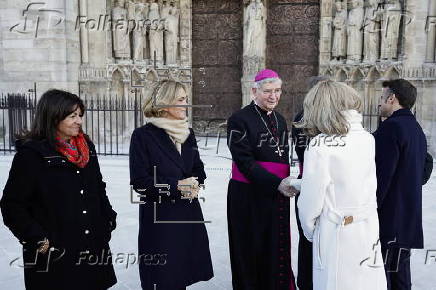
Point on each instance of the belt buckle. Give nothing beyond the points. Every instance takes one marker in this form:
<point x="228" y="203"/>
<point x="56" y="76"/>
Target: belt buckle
<point x="348" y="220"/>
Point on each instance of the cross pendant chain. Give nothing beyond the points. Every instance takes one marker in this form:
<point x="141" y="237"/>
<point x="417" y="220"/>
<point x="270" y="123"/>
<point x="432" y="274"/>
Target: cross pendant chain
<point x="279" y="151"/>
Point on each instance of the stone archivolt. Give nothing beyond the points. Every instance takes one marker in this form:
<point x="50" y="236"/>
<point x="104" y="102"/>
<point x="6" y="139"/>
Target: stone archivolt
<point x="397" y="39"/>
<point x="149" y="41"/>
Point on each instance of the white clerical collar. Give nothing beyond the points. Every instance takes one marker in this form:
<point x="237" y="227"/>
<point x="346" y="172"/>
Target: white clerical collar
<point x="267" y="112"/>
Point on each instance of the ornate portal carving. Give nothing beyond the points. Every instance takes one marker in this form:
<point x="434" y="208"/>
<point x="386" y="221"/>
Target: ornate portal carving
<point x="354" y="32"/>
<point x="391" y="30"/>
<point x="339" y="50"/>
<point x="147" y="31"/>
<point x="254" y="45"/>
<point x="121" y="35"/>
<point x="372" y="32"/>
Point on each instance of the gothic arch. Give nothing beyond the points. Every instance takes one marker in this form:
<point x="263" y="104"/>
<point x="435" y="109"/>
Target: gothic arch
<point x="117" y="71"/>
<point x="373" y="75"/>
<point x="137" y="78"/>
<point x="357" y="75"/>
<point x="371" y="98"/>
<point x="392" y="73"/>
<point x="117" y="84"/>
<point x="152" y="76"/>
<point x="341" y="75"/>
<point x="328" y="73"/>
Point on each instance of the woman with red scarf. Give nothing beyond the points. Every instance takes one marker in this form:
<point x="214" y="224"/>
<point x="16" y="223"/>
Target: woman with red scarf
<point x="55" y="201"/>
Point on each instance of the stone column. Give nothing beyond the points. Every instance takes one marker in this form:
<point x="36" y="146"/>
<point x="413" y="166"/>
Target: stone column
<point x="47" y="54"/>
<point x="108" y="31"/>
<point x="431" y="32"/>
<point x="83" y="11"/>
<point x="426" y="112"/>
<point x="414" y="64"/>
<point x="251" y="65"/>
<point x="185" y="33"/>
<point x="415" y="37"/>
<point x="367" y="102"/>
<point x="325" y="37"/>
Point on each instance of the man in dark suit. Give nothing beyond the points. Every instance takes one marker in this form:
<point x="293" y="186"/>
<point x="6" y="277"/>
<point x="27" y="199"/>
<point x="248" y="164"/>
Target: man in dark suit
<point x="401" y="149"/>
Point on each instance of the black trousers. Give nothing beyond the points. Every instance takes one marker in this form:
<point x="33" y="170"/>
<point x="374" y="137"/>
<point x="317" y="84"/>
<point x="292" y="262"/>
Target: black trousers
<point x="397" y="267"/>
<point x="304" y="278"/>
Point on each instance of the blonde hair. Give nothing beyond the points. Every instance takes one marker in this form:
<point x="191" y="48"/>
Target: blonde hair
<point x="323" y="105"/>
<point x="164" y="94"/>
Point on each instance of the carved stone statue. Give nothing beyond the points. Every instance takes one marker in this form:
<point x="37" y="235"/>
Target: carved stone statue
<point x="139" y="33"/>
<point x="174" y="10"/>
<point x="339" y="50"/>
<point x="372" y="32"/>
<point x="146" y="9"/>
<point x="354" y="32"/>
<point x="165" y="9"/>
<point x="121" y="39"/>
<point x="391" y="30"/>
<point x="156" y="41"/>
<point x="171" y="36"/>
<point x="254" y="29"/>
<point x="153" y="13"/>
<point x="431" y="33"/>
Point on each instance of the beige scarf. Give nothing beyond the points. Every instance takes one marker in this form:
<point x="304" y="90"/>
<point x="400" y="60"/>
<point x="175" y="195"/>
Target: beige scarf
<point x="178" y="130"/>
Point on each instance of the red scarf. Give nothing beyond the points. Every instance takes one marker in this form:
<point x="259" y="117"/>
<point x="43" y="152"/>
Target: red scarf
<point x="77" y="151"/>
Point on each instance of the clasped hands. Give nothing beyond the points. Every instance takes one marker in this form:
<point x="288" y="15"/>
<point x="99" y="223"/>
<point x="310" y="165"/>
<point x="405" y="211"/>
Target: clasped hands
<point x="286" y="188"/>
<point x="189" y="187"/>
<point x="43" y="246"/>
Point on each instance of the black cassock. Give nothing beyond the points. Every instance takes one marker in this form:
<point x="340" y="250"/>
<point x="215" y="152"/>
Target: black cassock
<point x="257" y="213"/>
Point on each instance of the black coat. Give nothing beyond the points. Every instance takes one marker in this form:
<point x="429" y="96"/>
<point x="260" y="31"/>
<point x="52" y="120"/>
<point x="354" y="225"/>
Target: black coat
<point x="401" y="150"/>
<point x="46" y="196"/>
<point x="299" y="138"/>
<point x="175" y="253"/>
<point x="428" y="168"/>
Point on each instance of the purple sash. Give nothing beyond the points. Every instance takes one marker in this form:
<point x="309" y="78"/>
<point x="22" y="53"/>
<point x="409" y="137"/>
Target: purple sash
<point x="278" y="169"/>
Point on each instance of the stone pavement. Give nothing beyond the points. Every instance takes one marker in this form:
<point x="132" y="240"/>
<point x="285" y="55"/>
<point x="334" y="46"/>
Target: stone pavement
<point x="124" y="239"/>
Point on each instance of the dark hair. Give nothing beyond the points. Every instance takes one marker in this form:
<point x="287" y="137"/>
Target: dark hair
<point x="53" y="107"/>
<point x="404" y="91"/>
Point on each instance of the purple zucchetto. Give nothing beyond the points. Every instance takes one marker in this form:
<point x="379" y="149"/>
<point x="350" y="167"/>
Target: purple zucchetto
<point x="265" y="74"/>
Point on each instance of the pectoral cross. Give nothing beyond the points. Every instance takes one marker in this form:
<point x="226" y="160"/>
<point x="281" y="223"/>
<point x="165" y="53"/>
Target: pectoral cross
<point x="279" y="151"/>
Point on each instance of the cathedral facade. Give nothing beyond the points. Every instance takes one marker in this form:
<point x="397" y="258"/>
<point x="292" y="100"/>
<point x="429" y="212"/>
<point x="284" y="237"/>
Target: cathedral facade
<point x="122" y="48"/>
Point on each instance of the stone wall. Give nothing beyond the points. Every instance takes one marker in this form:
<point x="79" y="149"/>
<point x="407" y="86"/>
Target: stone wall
<point x="66" y="53"/>
<point x="292" y="49"/>
<point x="49" y="55"/>
<point x="414" y="57"/>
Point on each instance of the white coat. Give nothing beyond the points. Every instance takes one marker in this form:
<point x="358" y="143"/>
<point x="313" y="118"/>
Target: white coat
<point x="339" y="181"/>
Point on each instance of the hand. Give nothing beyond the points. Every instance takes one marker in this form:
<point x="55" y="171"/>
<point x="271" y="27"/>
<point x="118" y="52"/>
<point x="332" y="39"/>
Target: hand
<point x="189" y="187"/>
<point x="112" y="224"/>
<point x="194" y="192"/>
<point x="294" y="191"/>
<point x="43" y="246"/>
<point x="286" y="189"/>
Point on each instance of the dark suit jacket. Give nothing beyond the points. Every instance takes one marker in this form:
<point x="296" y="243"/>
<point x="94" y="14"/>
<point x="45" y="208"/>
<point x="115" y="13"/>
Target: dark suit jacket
<point x="428" y="168"/>
<point x="401" y="150"/>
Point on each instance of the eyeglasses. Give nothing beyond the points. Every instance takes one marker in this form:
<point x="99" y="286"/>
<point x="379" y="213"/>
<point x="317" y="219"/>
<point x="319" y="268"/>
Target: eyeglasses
<point x="270" y="92"/>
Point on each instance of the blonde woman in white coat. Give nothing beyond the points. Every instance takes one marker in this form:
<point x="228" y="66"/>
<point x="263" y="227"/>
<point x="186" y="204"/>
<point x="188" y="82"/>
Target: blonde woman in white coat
<point x="337" y="203"/>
